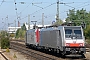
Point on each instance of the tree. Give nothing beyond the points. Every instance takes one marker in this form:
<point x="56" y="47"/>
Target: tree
<point x="5" y="43"/>
<point x="87" y="32"/>
<point x="21" y="32"/>
<point x="4" y="33"/>
<point x="71" y="15"/>
<point x="23" y="27"/>
<point x="78" y="16"/>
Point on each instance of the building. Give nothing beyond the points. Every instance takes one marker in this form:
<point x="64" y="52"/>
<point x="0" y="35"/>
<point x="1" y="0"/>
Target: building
<point x="31" y="26"/>
<point x="13" y="29"/>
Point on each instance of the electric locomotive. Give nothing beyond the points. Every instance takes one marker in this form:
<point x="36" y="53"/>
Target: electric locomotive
<point x="61" y="39"/>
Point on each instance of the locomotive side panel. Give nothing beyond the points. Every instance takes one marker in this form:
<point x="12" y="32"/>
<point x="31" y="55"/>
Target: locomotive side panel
<point x="30" y="39"/>
<point x="51" y="38"/>
<point x="60" y="40"/>
<point x="48" y="38"/>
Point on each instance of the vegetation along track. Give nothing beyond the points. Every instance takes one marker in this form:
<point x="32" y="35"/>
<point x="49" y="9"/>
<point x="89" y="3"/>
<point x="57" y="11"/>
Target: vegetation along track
<point x="37" y="55"/>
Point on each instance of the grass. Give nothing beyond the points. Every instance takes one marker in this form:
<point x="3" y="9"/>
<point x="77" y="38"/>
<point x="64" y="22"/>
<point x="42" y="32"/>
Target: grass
<point x="14" y="55"/>
<point x="7" y="50"/>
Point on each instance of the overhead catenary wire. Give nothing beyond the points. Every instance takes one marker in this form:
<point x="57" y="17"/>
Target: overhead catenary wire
<point x="66" y="4"/>
<point x="83" y="4"/>
<point x="1" y="2"/>
<point x="60" y="3"/>
<point x="38" y="6"/>
<point x="44" y="8"/>
<point x="33" y="4"/>
<point x="26" y="6"/>
<point x="39" y="10"/>
<point x="69" y="6"/>
<point x="15" y="8"/>
<point x="78" y="6"/>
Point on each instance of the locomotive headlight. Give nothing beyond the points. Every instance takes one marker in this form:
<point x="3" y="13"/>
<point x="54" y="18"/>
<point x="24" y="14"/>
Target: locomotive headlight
<point x="80" y="44"/>
<point x="67" y="44"/>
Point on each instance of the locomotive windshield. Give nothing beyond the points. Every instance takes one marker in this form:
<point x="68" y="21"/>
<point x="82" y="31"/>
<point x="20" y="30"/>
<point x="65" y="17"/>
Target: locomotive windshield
<point x="73" y="34"/>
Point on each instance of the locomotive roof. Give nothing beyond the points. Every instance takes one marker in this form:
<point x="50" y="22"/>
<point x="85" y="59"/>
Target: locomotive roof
<point x="59" y="28"/>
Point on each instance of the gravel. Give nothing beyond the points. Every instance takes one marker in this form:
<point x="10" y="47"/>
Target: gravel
<point x="14" y="55"/>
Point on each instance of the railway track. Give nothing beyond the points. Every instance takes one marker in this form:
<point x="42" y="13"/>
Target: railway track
<point x="3" y="56"/>
<point x="37" y="55"/>
<point x="23" y="42"/>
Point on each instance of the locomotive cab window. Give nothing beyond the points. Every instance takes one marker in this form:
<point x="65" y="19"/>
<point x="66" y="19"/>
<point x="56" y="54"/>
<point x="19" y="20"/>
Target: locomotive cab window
<point x="73" y="33"/>
<point x="78" y="33"/>
<point x="68" y="33"/>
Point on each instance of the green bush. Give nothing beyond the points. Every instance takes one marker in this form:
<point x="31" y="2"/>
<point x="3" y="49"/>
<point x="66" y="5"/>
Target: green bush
<point x="7" y="50"/>
<point x="5" y="42"/>
<point x="87" y="32"/>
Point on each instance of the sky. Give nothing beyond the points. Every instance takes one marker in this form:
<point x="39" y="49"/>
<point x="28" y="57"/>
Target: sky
<point x="18" y="10"/>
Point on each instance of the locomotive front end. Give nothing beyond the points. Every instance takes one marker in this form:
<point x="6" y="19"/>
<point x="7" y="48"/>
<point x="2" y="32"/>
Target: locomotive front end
<point x="74" y="40"/>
